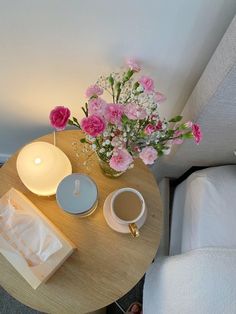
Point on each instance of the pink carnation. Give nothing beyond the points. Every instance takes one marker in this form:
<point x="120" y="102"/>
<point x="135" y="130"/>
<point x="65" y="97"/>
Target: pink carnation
<point x="96" y="106"/>
<point x="147" y="83"/>
<point x="149" y="129"/>
<point x="133" y="65"/>
<point x="135" y="112"/>
<point x="159" y="125"/>
<point x="118" y="142"/>
<point x="120" y="160"/>
<point x="93" y="90"/>
<point x="93" y="125"/>
<point x="160" y="97"/>
<point x="197" y="133"/>
<point x="148" y="155"/>
<point x="113" y="113"/>
<point x="59" y="117"/>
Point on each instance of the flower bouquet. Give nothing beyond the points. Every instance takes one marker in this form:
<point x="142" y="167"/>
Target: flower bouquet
<point x="127" y="126"/>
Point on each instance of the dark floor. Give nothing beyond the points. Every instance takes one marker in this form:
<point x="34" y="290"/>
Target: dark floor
<point x="136" y="294"/>
<point x="9" y="305"/>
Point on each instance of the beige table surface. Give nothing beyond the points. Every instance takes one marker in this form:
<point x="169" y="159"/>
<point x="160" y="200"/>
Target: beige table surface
<point x="107" y="264"/>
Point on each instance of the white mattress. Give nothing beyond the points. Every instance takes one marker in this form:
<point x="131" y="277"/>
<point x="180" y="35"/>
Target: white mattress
<point x="204" y="210"/>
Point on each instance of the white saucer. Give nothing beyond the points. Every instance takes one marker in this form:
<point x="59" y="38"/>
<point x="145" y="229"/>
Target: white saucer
<point x="112" y="222"/>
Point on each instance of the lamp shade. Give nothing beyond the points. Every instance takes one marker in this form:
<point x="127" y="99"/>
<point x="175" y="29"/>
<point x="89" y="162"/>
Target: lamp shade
<point x="41" y="167"/>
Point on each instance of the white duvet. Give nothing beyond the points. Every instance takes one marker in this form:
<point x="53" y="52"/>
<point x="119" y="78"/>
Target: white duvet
<point x="202" y="281"/>
<point x="204" y="210"/>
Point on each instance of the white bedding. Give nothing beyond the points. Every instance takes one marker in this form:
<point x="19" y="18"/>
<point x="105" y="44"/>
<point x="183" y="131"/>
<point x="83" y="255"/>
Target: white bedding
<point x="198" y="282"/>
<point x="204" y="210"/>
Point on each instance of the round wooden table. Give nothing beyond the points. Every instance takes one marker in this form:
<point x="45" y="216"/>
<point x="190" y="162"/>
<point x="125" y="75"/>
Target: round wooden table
<point x="107" y="264"/>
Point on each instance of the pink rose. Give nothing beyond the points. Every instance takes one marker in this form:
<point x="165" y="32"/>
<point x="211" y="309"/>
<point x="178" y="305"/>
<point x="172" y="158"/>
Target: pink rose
<point x="59" y="117"/>
<point x="147" y="83"/>
<point x="197" y="133"/>
<point x="160" y="97"/>
<point x="148" y="155"/>
<point x="135" y="112"/>
<point x="133" y="65"/>
<point x="93" y="90"/>
<point x="113" y="113"/>
<point x="149" y="129"/>
<point x="120" y="160"/>
<point x="96" y="106"/>
<point x="93" y="125"/>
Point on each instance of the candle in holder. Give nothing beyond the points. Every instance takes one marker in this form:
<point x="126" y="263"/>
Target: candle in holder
<point x="77" y="194"/>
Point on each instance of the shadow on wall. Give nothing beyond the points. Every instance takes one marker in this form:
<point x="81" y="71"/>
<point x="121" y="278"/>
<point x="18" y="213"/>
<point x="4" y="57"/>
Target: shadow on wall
<point x="17" y="132"/>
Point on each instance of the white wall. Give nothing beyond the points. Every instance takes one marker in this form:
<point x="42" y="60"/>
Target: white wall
<point x="51" y="50"/>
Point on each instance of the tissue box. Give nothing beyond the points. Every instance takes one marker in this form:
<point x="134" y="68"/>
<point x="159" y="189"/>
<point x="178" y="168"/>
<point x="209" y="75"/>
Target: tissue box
<point x="29" y="241"/>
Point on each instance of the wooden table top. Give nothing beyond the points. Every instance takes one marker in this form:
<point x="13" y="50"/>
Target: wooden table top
<point x="107" y="264"/>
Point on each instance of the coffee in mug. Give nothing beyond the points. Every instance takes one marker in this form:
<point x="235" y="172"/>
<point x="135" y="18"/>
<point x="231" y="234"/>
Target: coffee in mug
<point x="127" y="206"/>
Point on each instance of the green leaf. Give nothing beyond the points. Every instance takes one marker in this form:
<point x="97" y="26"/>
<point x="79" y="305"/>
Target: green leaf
<point x="136" y="85"/>
<point x="124" y="119"/>
<point x="182" y="127"/>
<point x="85" y="112"/>
<point x="70" y="122"/>
<point x="118" y="84"/>
<point x="111" y="80"/>
<point x="187" y="135"/>
<point x="176" y="119"/>
<point x="75" y="120"/>
<point x="83" y="140"/>
<point x="170" y="132"/>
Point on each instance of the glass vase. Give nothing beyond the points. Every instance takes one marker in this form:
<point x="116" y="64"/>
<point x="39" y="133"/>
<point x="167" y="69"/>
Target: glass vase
<point x="107" y="170"/>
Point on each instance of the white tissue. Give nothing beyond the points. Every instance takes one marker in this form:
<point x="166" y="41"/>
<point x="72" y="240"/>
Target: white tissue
<point x="27" y="234"/>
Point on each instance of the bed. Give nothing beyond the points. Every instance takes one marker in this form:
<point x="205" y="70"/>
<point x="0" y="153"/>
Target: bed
<point x="199" y="275"/>
<point x="204" y="210"/>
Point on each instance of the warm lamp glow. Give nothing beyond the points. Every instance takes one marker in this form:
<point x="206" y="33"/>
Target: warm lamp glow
<point x="37" y="161"/>
<point x="41" y="167"/>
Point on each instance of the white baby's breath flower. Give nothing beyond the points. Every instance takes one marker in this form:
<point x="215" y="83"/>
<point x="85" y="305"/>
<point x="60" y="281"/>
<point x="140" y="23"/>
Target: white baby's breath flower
<point x="94" y="147"/>
<point x="107" y="142"/>
<point x="102" y="150"/>
<point x="139" y="88"/>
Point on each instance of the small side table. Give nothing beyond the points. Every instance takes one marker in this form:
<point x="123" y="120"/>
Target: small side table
<point x="107" y="264"/>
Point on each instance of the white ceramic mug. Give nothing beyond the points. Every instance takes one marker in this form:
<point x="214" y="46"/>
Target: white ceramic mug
<point x="131" y="223"/>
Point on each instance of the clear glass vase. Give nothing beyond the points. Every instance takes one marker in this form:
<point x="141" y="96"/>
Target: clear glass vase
<point x="107" y="170"/>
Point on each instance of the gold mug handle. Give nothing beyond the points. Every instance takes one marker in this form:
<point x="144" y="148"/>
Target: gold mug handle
<point x="134" y="230"/>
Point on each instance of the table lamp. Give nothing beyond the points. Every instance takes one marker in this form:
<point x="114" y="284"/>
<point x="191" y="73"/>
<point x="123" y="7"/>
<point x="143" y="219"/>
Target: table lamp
<point x="41" y="167"/>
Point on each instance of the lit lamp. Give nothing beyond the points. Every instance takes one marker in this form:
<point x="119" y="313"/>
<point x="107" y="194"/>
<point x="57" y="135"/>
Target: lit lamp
<point x="41" y="167"/>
